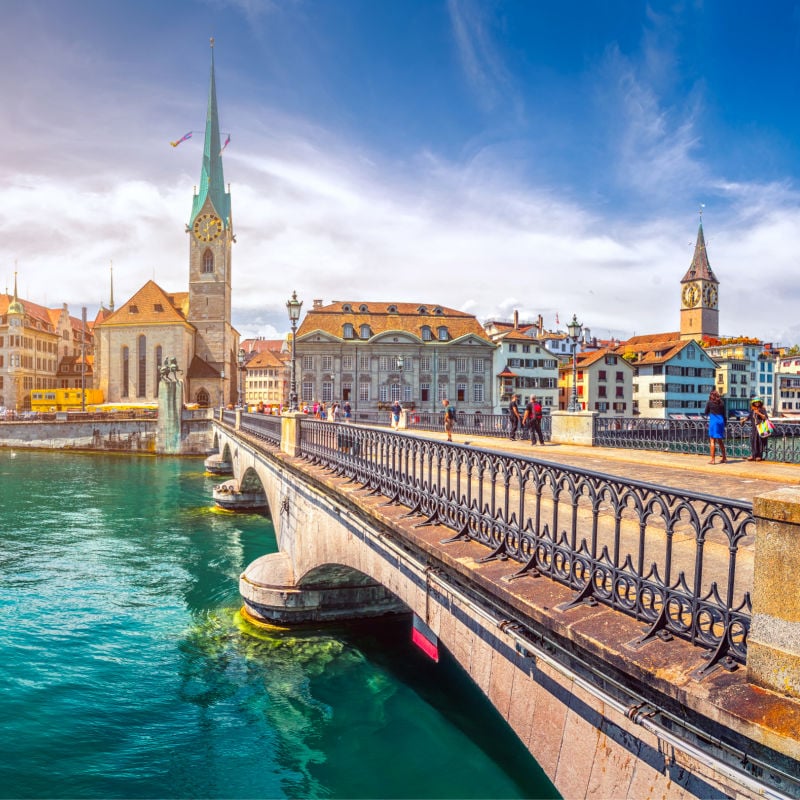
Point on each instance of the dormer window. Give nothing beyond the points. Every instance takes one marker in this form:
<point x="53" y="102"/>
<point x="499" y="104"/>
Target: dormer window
<point x="443" y="334"/>
<point x="133" y="309"/>
<point x="363" y="309"/>
<point x="392" y="309"/>
<point x="158" y="307"/>
<point x="208" y="261"/>
<point x="422" y="310"/>
<point x="364" y="332"/>
<point x="438" y="311"/>
<point x="427" y="334"/>
<point x="347" y="308"/>
<point x="348" y="331"/>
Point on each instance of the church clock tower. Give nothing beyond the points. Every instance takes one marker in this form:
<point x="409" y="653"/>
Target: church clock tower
<point x="699" y="295"/>
<point x="212" y="373"/>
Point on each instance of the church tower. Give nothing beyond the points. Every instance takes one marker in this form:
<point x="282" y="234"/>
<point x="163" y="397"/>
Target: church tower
<point x="699" y="295"/>
<point x="212" y="373"/>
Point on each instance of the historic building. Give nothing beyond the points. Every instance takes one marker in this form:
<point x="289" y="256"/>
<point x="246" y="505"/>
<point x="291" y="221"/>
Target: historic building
<point x="193" y="327"/>
<point x="374" y="353"/>
<point x="524" y="367"/>
<point x="745" y="369"/>
<point x="603" y="383"/>
<point x="671" y="376"/>
<point x="699" y="295"/>
<point x="38" y="346"/>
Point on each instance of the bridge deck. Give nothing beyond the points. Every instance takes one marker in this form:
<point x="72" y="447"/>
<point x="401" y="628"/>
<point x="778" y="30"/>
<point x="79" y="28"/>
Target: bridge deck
<point x="739" y="479"/>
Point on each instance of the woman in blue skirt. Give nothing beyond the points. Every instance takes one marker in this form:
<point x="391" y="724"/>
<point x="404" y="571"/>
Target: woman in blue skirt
<point x="715" y="409"/>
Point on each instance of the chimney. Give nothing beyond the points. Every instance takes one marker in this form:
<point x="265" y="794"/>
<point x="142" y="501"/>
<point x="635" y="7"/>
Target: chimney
<point x="540" y="324"/>
<point x="317" y="303"/>
<point x="516" y="319"/>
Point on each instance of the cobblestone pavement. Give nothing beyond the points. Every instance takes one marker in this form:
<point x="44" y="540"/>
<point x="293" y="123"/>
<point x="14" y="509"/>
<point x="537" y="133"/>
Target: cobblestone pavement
<point x="738" y="479"/>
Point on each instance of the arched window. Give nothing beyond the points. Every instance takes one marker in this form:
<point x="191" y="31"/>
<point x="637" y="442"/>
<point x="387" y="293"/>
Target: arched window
<point x="442" y="333"/>
<point x="427" y="335"/>
<point x="363" y="308"/>
<point x="208" y="261"/>
<point x="347" y="308"/>
<point x="348" y="331"/>
<point x="158" y="371"/>
<point x="364" y="332"/>
<point x="392" y="309"/>
<point x="126" y="372"/>
<point x="142" y="377"/>
<point x="202" y="399"/>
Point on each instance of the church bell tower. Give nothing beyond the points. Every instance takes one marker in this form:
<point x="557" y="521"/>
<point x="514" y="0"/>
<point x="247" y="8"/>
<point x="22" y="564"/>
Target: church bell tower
<point x="212" y="373"/>
<point x="699" y="295"/>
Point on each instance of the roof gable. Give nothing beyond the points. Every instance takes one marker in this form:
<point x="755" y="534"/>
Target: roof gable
<point x="151" y="305"/>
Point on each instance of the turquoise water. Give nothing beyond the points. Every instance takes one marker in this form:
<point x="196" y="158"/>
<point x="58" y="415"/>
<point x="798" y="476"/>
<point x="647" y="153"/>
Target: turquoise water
<point x="125" y="670"/>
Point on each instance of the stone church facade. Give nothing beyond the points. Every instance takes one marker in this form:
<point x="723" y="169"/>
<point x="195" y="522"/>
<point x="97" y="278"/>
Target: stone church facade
<point x="193" y="327"/>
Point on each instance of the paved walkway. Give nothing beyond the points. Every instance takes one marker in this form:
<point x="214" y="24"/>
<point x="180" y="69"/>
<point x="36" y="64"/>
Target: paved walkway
<point x="739" y="479"/>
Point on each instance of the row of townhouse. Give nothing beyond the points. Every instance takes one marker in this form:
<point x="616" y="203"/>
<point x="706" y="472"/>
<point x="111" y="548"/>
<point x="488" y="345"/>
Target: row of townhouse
<point x="372" y="354"/>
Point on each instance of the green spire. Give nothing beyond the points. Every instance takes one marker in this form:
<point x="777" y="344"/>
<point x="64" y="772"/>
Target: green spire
<point x="15" y="307"/>
<point x="212" y="180"/>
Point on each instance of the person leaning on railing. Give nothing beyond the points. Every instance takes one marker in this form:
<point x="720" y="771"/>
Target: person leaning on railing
<point x="715" y="409"/>
<point x="758" y="442"/>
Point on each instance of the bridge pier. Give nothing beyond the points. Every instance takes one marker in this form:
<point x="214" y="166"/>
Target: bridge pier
<point x="271" y="594"/>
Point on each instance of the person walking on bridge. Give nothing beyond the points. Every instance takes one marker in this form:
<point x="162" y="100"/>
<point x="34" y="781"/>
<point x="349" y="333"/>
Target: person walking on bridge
<point x="513" y="417"/>
<point x="533" y="416"/>
<point x="715" y="409"/>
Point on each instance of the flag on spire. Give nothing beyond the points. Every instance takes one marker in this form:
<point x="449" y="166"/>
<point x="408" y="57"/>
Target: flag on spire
<point x="182" y="139"/>
<point x="557" y="318"/>
<point x="227" y="142"/>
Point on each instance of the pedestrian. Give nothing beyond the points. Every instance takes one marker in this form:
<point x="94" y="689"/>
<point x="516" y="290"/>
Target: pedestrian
<point x="477" y="417"/>
<point x="758" y="443"/>
<point x="396" y="409"/>
<point x="533" y="416"/>
<point x="715" y="409"/>
<point x="348" y="411"/>
<point x="336" y="413"/>
<point x="514" y="418"/>
<point x="449" y="419"/>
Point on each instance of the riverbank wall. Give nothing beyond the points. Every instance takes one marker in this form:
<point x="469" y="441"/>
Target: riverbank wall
<point x="131" y="435"/>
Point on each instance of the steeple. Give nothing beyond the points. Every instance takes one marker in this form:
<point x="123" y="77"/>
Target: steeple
<point x="700" y="269"/>
<point x="212" y="180"/>
<point x="111" y="301"/>
<point x="15" y="307"/>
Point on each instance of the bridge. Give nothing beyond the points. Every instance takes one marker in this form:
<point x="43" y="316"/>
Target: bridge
<point x="640" y="638"/>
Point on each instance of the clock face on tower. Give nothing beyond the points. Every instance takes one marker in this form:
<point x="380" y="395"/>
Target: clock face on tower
<point x="710" y="295"/>
<point x="691" y="295"/>
<point x="207" y="227"/>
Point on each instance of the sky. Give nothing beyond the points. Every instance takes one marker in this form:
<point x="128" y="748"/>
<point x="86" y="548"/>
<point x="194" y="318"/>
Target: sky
<point x="485" y="155"/>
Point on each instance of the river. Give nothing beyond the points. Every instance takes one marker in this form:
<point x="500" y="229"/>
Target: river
<point x="127" y="671"/>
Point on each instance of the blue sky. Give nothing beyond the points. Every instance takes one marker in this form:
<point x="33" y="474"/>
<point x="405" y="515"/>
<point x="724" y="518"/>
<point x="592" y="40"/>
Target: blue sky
<point x="487" y="156"/>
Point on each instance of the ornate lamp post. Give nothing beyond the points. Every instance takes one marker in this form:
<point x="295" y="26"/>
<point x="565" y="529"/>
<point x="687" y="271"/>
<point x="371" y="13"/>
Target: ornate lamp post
<point x="293" y="306"/>
<point x="574" y="328"/>
<point x="241" y="359"/>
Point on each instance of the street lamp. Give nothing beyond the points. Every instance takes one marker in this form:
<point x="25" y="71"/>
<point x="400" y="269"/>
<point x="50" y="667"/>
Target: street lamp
<point x="242" y="359"/>
<point x="293" y="306"/>
<point x="574" y="328"/>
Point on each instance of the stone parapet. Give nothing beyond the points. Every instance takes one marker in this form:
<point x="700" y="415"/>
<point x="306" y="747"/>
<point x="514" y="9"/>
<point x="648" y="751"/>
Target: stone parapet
<point x="573" y="427"/>
<point x="773" y="644"/>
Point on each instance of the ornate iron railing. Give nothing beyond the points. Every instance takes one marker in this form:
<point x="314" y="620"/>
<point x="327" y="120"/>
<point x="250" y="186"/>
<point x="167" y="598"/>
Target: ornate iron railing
<point x="262" y="426"/>
<point x="691" y="436"/>
<point x="672" y="559"/>
<point x="477" y="424"/>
